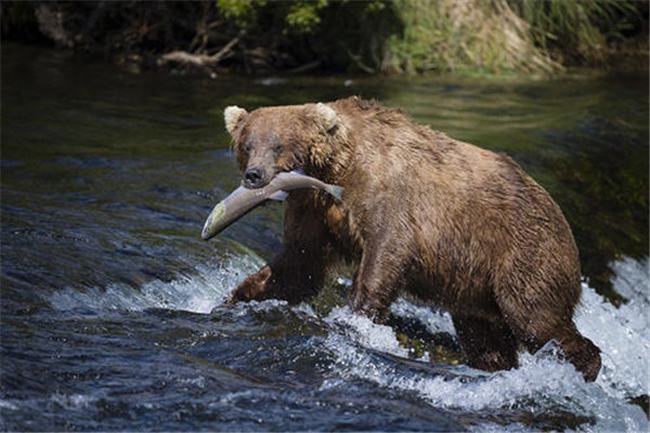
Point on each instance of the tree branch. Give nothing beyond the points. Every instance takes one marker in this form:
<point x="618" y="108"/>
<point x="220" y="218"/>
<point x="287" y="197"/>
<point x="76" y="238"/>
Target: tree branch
<point x="200" y="59"/>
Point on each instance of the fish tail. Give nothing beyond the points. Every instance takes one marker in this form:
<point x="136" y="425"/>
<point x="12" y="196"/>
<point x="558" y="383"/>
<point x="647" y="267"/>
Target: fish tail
<point x="336" y="191"/>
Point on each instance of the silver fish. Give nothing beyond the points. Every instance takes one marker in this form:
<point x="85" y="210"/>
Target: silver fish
<point x="243" y="200"/>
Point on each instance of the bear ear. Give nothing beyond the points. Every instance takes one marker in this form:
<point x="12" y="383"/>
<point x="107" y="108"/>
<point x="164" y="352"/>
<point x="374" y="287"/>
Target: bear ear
<point x="325" y="116"/>
<point x="232" y="115"/>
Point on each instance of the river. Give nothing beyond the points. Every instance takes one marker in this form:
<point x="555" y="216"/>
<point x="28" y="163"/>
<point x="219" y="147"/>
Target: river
<point x="111" y="305"/>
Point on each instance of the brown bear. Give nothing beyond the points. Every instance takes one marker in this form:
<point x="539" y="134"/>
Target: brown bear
<point x="423" y="214"/>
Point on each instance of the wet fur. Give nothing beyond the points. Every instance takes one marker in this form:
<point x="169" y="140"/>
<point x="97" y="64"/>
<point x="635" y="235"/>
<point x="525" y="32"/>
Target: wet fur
<point x="450" y="223"/>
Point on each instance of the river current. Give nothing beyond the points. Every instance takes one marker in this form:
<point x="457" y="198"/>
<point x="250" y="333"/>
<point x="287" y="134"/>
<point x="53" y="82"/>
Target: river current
<point x="112" y="314"/>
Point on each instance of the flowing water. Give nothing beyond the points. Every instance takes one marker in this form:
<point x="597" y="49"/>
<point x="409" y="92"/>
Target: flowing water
<point x="111" y="305"/>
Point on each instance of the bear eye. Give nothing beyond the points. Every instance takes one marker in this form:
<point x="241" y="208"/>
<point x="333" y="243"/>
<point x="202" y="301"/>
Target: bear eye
<point x="277" y="148"/>
<point x="247" y="147"/>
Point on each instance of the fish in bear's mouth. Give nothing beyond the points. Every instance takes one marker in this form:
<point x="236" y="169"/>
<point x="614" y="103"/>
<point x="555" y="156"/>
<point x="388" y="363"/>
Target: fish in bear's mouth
<point x="243" y="199"/>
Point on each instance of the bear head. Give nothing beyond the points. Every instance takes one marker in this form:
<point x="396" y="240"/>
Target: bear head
<point x="271" y="140"/>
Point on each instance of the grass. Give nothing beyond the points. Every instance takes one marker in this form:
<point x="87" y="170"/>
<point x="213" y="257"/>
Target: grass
<point x="578" y="31"/>
<point x="500" y="36"/>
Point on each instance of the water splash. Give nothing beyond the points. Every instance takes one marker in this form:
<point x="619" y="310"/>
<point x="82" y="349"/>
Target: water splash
<point x="365" y="332"/>
<point x="435" y="320"/>
<point x="542" y="382"/>
<point x="199" y="292"/>
<point x="621" y="333"/>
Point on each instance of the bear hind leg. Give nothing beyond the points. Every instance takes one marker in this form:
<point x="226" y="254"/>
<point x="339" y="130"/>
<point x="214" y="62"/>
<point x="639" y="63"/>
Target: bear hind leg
<point x="488" y="345"/>
<point x="580" y="351"/>
<point x="535" y="323"/>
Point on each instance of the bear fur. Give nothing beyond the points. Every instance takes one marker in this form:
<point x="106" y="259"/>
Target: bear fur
<point x="444" y="221"/>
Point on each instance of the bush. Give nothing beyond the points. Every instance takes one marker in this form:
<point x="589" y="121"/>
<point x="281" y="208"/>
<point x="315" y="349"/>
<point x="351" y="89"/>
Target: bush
<point x="401" y="36"/>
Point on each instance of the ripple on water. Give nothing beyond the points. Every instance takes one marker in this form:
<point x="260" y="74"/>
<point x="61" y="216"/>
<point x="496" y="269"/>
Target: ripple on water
<point x="543" y="392"/>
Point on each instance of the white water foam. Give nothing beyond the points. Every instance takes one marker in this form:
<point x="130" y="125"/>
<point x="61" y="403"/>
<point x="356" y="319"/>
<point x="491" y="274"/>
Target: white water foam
<point x="73" y="401"/>
<point x="6" y="404"/>
<point x="621" y="333"/>
<point x="435" y="320"/>
<point x="365" y="332"/>
<point x="198" y="293"/>
<point x="542" y="382"/>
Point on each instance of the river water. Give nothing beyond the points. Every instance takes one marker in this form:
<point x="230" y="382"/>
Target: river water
<point x="111" y="312"/>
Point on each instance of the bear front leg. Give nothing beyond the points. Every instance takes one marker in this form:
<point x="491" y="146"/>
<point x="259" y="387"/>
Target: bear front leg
<point x="293" y="276"/>
<point x="378" y="279"/>
<point x="254" y="287"/>
<point x="298" y="272"/>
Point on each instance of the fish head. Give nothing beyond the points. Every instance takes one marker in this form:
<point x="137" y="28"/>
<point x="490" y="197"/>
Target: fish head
<point x="271" y="140"/>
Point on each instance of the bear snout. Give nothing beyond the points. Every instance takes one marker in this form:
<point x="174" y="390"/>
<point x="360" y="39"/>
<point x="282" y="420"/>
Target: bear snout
<point x="255" y="177"/>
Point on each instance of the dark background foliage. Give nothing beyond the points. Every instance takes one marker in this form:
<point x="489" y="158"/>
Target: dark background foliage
<point x="334" y="36"/>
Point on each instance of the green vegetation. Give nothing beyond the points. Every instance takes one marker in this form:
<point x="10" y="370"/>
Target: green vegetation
<point x="510" y="35"/>
<point x="400" y="36"/>
<point x="453" y="35"/>
<point x="581" y="31"/>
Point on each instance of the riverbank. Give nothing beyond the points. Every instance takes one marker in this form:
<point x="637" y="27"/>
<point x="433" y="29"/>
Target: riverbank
<point x="498" y="37"/>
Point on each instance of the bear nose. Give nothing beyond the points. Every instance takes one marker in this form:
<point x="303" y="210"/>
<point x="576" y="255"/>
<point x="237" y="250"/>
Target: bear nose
<point x="253" y="178"/>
